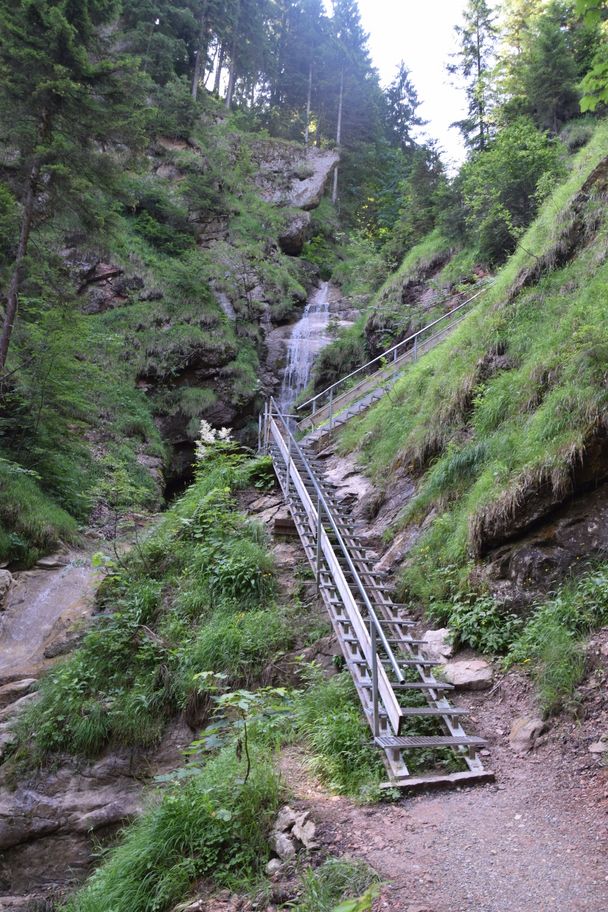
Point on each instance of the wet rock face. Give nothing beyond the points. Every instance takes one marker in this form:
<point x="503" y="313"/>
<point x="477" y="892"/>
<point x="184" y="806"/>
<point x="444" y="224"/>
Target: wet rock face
<point x="521" y="572"/>
<point x="51" y="825"/>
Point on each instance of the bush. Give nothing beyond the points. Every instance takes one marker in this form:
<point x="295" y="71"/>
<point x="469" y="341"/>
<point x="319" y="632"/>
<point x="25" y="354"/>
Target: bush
<point x="195" y="597"/>
<point x="552" y="637"/>
<point x="499" y="187"/>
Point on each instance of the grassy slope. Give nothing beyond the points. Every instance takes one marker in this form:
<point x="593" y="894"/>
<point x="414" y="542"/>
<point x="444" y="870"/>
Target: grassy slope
<point x="484" y="433"/>
<point x="199" y="596"/>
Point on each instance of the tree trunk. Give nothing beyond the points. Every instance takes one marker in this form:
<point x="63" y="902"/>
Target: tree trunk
<point x="334" y="192"/>
<point x="12" y="298"/>
<point x="480" y="104"/>
<point x="218" y="72"/>
<point x="201" y="52"/>
<point x="232" y="71"/>
<point x="308" y="101"/>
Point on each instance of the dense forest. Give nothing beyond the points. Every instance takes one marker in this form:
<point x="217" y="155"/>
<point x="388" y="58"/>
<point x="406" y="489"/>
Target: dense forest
<point x="177" y="177"/>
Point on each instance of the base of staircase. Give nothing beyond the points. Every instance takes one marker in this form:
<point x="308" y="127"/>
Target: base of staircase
<point x="446" y="780"/>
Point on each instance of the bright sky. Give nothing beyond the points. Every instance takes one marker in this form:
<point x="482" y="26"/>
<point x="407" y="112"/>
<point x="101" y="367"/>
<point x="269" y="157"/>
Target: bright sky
<point x="420" y="32"/>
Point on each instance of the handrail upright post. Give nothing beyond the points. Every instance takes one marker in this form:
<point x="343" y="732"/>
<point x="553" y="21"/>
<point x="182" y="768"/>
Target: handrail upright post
<point x="259" y="432"/>
<point x="318" y="544"/>
<point x="331" y="409"/>
<point x="415" y="348"/>
<point x="374" y="651"/>
<point x="288" y="473"/>
<point x="314" y="405"/>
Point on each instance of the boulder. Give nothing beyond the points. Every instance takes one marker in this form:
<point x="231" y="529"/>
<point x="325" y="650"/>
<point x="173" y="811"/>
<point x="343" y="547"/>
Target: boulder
<point x="304" y="831"/>
<point x="598" y="747"/>
<point x="285" y="819"/>
<point x="295" y="234"/>
<point x="17" y="706"/>
<point x="525" y="733"/>
<point x="468" y="674"/>
<point x="6" y="581"/>
<point x="439" y="644"/>
<point x="273" y="867"/>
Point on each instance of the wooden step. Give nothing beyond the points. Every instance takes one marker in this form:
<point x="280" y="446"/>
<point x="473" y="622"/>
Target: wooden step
<point x="411" y="742"/>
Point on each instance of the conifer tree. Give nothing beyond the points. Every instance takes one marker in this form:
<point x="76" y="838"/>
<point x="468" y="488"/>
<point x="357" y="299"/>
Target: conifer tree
<point x="401" y="108"/>
<point x="477" y="38"/>
<point x="63" y="100"/>
<point x="550" y="73"/>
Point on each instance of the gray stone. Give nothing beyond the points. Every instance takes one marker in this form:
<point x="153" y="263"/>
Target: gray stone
<point x="273" y="867"/>
<point x="285" y="819"/>
<point x="524" y="734"/>
<point x="295" y="234"/>
<point x="17" y="706"/>
<point x="468" y="674"/>
<point x="283" y="845"/>
<point x="598" y="747"/>
<point x="51" y="562"/>
<point x="6" y="581"/>
<point x="439" y="643"/>
<point x="304" y="831"/>
<point x="15" y="689"/>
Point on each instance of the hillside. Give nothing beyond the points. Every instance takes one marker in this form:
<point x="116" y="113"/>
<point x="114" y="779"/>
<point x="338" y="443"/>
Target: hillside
<point x="252" y="650"/>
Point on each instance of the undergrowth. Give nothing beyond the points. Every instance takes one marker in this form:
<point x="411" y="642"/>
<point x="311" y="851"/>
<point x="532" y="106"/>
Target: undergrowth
<point x="214" y="825"/>
<point x="197" y="596"/>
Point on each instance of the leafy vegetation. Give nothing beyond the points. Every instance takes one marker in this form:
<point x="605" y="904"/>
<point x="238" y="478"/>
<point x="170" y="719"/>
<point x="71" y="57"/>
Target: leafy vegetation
<point x="329" y="887"/>
<point x="196" y="596"/>
<point x="508" y="401"/>
<point x="214" y="825"/>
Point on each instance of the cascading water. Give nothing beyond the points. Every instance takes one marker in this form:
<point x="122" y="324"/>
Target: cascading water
<point x="309" y="336"/>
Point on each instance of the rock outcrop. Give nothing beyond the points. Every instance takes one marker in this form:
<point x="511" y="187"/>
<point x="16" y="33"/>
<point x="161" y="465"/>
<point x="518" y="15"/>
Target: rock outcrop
<point x="51" y="825"/>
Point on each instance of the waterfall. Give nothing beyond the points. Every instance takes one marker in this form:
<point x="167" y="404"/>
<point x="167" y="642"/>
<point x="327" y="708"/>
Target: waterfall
<point x="309" y="336"/>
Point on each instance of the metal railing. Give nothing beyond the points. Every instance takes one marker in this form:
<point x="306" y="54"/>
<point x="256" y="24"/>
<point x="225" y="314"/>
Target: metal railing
<point x="406" y="347"/>
<point x="322" y="523"/>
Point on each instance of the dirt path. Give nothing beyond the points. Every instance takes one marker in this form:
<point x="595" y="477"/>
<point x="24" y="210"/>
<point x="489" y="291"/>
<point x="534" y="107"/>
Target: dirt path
<point x="43" y="607"/>
<point x="535" y="841"/>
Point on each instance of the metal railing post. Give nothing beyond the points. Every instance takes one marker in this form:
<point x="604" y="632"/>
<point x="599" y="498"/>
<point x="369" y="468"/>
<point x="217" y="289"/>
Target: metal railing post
<point x="416" y="348"/>
<point x="391" y="351"/>
<point x="288" y="473"/>
<point x="318" y="543"/>
<point x="331" y="409"/>
<point x="259" y="432"/>
<point x="374" y="651"/>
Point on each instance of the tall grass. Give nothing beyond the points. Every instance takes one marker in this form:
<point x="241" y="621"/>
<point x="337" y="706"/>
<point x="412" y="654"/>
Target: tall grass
<point x="196" y="596"/>
<point x="212" y="826"/>
<point x="508" y="403"/>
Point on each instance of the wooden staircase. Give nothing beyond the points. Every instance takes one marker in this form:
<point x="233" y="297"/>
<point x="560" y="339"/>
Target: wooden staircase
<point x="394" y="679"/>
